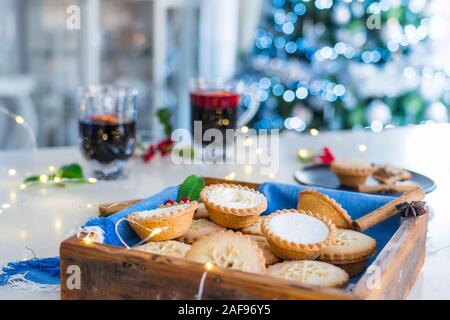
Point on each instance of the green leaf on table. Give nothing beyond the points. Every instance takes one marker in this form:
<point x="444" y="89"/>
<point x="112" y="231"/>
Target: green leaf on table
<point x="164" y="115"/>
<point x="32" y="179"/>
<point x="191" y="187"/>
<point x="70" y="171"/>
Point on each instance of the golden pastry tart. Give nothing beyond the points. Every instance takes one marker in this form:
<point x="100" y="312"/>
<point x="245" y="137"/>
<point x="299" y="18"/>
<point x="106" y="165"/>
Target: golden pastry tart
<point x="311" y="273"/>
<point x="297" y="234"/>
<point x="199" y="229"/>
<point x="264" y="246"/>
<point x="352" y="173"/>
<point x="233" y="206"/>
<point x="227" y="249"/>
<point x="164" y="223"/>
<point x="350" y="250"/>
<point x="321" y="204"/>
<point x="167" y="248"/>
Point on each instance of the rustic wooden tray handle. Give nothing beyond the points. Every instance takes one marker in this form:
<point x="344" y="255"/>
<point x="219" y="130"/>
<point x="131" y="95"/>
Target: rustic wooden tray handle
<point x="107" y="209"/>
<point x="388" y="210"/>
<point x="386" y="188"/>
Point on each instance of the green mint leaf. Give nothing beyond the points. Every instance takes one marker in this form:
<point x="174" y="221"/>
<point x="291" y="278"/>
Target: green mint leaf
<point x="71" y="171"/>
<point x="191" y="187"/>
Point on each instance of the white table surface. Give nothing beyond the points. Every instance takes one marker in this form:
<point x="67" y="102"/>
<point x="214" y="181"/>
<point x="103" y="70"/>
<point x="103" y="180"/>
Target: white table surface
<point x="41" y="218"/>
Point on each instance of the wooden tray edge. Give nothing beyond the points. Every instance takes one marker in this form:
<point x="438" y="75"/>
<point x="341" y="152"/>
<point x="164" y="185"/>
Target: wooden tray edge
<point x="74" y="252"/>
<point x="400" y="262"/>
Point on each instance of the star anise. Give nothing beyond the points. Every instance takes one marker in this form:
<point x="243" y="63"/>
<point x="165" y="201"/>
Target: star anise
<point x="412" y="209"/>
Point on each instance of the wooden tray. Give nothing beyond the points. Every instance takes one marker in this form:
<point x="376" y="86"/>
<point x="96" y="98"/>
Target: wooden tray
<point x="109" y="272"/>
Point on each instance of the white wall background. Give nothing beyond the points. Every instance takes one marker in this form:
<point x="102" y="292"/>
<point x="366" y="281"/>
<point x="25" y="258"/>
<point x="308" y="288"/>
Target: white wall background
<point x="226" y="29"/>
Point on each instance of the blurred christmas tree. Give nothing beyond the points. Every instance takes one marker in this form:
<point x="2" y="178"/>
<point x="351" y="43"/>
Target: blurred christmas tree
<point x="345" y="64"/>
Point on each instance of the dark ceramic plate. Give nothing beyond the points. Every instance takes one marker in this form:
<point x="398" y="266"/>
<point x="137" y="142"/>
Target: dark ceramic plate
<point x="320" y="175"/>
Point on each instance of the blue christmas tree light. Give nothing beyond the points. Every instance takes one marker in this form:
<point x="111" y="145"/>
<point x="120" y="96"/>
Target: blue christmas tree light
<point x="320" y="58"/>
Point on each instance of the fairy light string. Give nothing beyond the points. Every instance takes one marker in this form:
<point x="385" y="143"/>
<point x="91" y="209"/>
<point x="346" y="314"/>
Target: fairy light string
<point x="21" y="122"/>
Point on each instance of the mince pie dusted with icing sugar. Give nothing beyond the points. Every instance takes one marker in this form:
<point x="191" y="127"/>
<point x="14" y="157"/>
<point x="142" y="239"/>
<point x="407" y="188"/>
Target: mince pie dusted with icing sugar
<point x="233" y="206"/>
<point x="297" y="234"/>
<point x="164" y="223"/>
<point x="168" y="248"/>
<point x="350" y="251"/>
<point x="227" y="249"/>
<point x="307" y="272"/>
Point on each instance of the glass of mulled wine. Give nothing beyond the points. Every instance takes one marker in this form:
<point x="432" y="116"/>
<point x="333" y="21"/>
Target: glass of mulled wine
<point x="107" y="126"/>
<point x="217" y="104"/>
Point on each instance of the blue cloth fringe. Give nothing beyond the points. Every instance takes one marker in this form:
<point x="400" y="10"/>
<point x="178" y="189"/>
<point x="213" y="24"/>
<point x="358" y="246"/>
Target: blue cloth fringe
<point x="41" y="271"/>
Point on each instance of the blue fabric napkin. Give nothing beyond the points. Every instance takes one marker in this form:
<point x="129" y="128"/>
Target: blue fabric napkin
<point x="284" y="196"/>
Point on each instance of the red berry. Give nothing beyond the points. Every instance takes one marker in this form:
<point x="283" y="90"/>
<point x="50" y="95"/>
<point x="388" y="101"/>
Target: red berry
<point x="165" y="146"/>
<point x="150" y="154"/>
<point x="327" y="157"/>
<point x="186" y="199"/>
<point x="169" y="202"/>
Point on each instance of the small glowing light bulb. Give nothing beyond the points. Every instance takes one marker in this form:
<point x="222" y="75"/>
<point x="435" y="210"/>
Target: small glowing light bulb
<point x="87" y="241"/>
<point x="155" y="232"/>
<point x="314" y="132"/>
<point x="248" y="142"/>
<point x="303" y="153"/>
<point x="20" y="120"/>
<point x="43" y="178"/>
<point x="12" y="172"/>
<point x="92" y="180"/>
<point x="244" y="129"/>
<point x="362" y="147"/>
<point x="57" y="224"/>
<point x="209" y="266"/>
<point x="230" y="176"/>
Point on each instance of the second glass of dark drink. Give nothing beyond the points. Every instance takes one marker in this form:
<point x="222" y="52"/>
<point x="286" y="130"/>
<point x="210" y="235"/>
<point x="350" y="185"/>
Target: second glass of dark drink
<point x="107" y="128"/>
<point x="216" y="105"/>
<point x="214" y="110"/>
